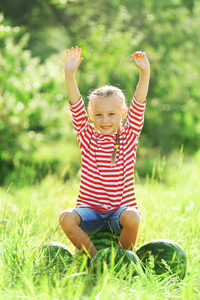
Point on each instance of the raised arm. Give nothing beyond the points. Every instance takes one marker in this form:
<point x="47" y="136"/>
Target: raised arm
<point x="141" y="61"/>
<point x="73" y="60"/>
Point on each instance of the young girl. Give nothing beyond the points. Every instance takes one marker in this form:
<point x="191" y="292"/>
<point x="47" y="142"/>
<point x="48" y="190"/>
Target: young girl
<point x="106" y="199"/>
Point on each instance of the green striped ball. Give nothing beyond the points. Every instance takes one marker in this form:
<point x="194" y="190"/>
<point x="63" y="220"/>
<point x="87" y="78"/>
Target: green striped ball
<point x="55" y="254"/>
<point x="104" y="239"/>
<point x="163" y="257"/>
<point x="117" y="260"/>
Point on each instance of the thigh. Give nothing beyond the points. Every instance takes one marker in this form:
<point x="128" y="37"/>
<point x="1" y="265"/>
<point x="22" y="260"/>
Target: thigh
<point x="90" y="220"/>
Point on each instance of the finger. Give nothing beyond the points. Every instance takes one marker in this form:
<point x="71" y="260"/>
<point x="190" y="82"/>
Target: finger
<point x="79" y="53"/>
<point x="80" y="60"/>
<point x="76" y="51"/>
<point x="72" y="52"/>
<point x="78" y="63"/>
<point x="136" y="54"/>
<point x="133" y="57"/>
<point x="67" y="54"/>
<point x="143" y="54"/>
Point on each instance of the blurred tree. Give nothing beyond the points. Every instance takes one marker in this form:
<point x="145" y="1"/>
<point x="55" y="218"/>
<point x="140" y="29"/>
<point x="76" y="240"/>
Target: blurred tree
<point x="108" y="32"/>
<point x="30" y="101"/>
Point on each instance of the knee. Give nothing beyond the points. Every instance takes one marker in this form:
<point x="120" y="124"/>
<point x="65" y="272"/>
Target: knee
<point x="130" y="218"/>
<point x="64" y="217"/>
<point x="67" y="218"/>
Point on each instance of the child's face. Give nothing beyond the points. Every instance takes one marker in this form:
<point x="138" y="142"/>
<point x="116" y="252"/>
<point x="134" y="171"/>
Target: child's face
<point x="106" y="113"/>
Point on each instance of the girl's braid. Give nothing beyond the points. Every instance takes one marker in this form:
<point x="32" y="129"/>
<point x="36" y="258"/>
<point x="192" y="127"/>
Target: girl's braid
<point x="117" y="142"/>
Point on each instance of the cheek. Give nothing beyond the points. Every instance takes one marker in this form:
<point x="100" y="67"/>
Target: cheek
<point x="118" y="118"/>
<point x="95" y="121"/>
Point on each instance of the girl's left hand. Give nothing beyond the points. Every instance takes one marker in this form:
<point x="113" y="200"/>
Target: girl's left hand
<point x="141" y="60"/>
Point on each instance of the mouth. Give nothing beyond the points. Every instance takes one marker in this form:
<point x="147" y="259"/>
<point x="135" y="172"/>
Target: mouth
<point x="106" y="127"/>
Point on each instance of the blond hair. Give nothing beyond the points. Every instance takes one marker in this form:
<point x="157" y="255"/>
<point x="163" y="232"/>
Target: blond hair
<point x="107" y="91"/>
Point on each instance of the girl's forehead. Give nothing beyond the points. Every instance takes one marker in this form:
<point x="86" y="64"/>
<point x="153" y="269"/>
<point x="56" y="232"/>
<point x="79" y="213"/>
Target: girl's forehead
<point x="107" y="103"/>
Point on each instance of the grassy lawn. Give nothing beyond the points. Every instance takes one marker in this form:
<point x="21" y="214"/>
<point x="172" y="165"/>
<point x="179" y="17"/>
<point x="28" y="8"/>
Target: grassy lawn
<point x="169" y="202"/>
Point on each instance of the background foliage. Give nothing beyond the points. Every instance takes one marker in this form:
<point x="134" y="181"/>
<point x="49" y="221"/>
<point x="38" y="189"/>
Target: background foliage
<point x="36" y="136"/>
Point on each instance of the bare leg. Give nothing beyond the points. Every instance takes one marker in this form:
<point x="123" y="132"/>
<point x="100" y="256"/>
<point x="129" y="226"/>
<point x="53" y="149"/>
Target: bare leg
<point x="130" y="221"/>
<point x="70" y="223"/>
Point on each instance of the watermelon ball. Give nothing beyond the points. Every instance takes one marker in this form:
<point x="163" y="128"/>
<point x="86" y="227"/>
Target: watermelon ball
<point x="163" y="257"/>
<point x="116" y="259"/>
<point x="104" y="239"/>
<point x="55" y="254"/>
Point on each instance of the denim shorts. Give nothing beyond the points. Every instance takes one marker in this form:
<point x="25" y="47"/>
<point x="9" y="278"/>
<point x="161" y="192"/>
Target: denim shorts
<point x="93" y="221"/>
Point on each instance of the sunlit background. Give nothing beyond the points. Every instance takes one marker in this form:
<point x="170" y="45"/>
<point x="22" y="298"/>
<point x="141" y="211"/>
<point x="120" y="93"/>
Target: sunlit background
<point x="36" y="134"/>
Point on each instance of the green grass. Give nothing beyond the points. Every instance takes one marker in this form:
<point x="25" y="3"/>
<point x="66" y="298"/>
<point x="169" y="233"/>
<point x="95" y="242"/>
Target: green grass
<point x="169" y="201"/>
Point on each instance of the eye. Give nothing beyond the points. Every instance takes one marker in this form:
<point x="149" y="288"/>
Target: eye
<point x="98" y="115"/>
<point x="111" y="114"/>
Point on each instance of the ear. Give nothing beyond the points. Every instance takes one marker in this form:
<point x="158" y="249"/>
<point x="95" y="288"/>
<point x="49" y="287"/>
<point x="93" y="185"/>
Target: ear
<point x="124" y="113"/>
<point x="90" y="114"/>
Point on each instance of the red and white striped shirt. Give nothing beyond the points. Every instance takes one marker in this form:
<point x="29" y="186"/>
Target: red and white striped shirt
<point x="104" y="187"/>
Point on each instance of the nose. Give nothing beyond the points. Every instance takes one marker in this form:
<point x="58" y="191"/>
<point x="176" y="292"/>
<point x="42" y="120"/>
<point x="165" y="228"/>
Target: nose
<point x="104" y="119"/>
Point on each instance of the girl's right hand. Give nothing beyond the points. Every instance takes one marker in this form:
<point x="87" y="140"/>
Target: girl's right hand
<point x="73" y="60"/>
